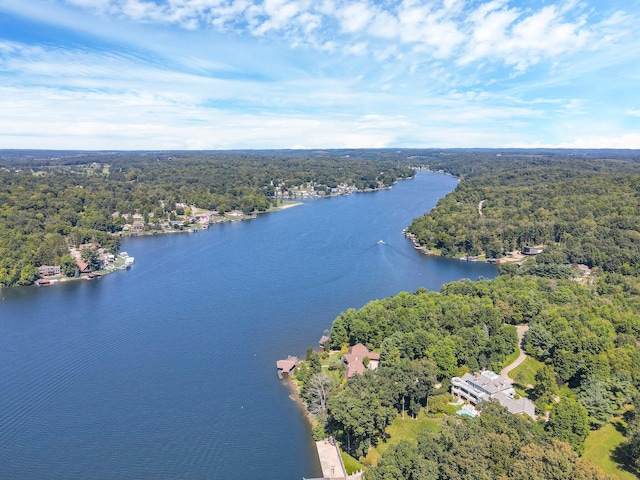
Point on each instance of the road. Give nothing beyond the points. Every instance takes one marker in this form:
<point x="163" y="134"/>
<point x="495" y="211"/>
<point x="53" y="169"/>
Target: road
<point x="522" y="329"/>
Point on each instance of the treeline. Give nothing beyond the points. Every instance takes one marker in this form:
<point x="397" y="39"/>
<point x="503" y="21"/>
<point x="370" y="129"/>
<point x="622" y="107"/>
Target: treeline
<point x="583" y="210"/>
<point x="50" y="200"/>
<point x="450" y="328"/>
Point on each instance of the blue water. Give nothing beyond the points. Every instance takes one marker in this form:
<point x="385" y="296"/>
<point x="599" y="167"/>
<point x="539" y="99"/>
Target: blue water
<point x="167" y="370"/>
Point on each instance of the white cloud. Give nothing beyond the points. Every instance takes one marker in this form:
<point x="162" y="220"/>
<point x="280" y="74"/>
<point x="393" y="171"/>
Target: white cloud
<point x="481" y="33"/>
<point x="359" y="48"/>
<point x="626" y="141"/>
<point x="420" y="24"/>
<point x="318" y="73"/>
<point x="354" y="17"/>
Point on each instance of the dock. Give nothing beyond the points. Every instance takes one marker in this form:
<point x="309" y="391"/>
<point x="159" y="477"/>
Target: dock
<point x="330" y="460"/>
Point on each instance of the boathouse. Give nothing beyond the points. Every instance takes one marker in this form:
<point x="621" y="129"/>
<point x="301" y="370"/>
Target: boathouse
<point x="286" y="366"/>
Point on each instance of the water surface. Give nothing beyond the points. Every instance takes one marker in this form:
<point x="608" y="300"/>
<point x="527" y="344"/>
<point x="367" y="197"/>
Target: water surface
<point x="167" y="370"/>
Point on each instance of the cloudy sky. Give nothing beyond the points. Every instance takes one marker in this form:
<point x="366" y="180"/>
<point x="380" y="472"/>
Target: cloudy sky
<point x="228" y="74"/>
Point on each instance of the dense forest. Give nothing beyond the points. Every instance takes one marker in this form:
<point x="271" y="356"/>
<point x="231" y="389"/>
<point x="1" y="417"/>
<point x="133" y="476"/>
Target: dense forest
<point x="52" y="200"/>
<point x="583" y="211"/>
<point x="583" y="338"/>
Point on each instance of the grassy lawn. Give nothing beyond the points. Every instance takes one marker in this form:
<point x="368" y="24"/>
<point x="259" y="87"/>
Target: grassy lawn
<point x="525" y="373"/>
<point x="406" y="429"/>
<point x="598" y="447"/>
<point x="511" y="358"/>
<point x="351" y="464"/>
<point x="335" y="375"/>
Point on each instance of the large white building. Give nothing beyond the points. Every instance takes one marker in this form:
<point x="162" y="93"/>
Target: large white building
<point x="478" y="387"/>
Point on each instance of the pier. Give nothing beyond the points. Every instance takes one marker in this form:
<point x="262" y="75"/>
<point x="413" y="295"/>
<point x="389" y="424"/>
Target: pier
<point x="330" y="460"/>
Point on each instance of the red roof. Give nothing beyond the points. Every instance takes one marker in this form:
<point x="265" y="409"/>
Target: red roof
<point x="83" y="266"/>
<point x="359" y="349"/>
<point x="353" y="360"/>
<point x="287" y="365"/>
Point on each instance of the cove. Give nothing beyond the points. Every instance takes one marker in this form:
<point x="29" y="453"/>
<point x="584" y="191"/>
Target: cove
<point x="167" y="370"/>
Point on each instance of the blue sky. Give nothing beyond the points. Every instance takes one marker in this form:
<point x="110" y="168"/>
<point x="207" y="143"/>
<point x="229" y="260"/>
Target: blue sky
<point x="235" y="74"/>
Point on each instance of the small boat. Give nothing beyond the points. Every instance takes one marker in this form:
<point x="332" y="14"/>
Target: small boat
<point x="381" y="242"/>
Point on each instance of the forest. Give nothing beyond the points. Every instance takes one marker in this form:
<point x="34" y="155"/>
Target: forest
<point x="51" y="200"/>
<point x="583" y="338"/>
<point x="583" y="211"/>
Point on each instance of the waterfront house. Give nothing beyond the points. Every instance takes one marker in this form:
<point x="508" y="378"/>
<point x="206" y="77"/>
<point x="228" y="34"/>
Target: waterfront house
<point x="49" y="270"/>
<point x="83" y="267"/>
<point x="354" y="360"/>
<point x="478" y="387"/>
<point x="323" y="340"/>
<point x="137" y="228"/>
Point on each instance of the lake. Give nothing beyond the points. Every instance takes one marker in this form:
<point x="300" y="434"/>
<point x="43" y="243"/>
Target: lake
<point x="167" y="370"/>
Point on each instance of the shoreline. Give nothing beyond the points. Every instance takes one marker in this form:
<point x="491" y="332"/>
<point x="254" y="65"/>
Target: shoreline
<point x="193" y="228"/>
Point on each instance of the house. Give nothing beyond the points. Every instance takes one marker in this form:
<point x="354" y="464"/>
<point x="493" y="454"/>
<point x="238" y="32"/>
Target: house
<point x="83" y="267"/>
<point x="354" y="360"/>
<point x="478" y="387"/>
<point x="532" y="250"/>
<point x="137" y="228"/>
<point x="49" y="270"/>
<point x="286" y="366"/>
<point x="582" y="268"/>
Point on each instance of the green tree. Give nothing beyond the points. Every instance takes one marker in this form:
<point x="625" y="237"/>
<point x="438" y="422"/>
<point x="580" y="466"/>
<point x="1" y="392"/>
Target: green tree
<point x="569" y="422"/>
<point x="28" y="275"/>
<point x="546" y="387"/>
<point x="558" y="462"/>
<point x="90" y="255"/>
<point x="68" y="265"/>
<point x="360" y="412"/>
<point x="596" y="396"/>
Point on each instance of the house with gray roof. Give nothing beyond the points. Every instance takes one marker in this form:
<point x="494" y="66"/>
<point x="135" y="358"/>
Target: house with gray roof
<point x="485" y="385"/>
